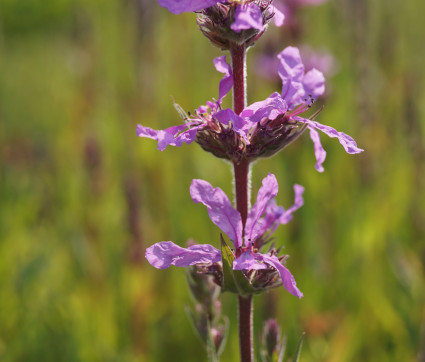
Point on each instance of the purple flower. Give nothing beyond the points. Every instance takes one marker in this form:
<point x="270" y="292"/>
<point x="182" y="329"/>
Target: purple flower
<point x="264" y="127"/>
<point x="247" y="14"/>
<point x="297" y="86"/>
<point x="262" y="221"/>
<point x="267" y="63"/>
<point x="226" y="82"/>
<point x="182" y="6"/>
<point x="186" y="133"/>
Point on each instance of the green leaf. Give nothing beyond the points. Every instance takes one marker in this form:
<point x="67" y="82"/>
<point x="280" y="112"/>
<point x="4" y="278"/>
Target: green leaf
<point x="227" y="258"/>
<point x="234" y="280"/>
<point x="299" y="348"/>
<point x="282" y="349"/>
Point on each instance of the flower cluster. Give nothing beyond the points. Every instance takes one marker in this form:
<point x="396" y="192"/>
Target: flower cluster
<point x="262" y="221"/>
<point x="264" y="127"/>
<point x="242" y="135"/>
<point x="225" y="22"/>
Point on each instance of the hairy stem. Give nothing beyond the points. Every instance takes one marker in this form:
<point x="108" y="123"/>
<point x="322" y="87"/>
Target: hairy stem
<point x="238" y="54"/>
<point x="242" y="174"/>
<point x="245" y="328"/>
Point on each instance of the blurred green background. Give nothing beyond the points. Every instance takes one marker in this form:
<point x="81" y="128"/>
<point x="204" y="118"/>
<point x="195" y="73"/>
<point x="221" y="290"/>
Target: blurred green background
<point x="82" y="196"/>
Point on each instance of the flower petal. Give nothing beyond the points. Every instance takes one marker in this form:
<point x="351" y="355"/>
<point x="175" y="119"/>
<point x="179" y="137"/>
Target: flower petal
<point x="278" y="17"/>
<point x="173" y="136"/>
<point x="268" y="222"/>
<point x="181" y="6"/>
<point x="219" y="208"/>
<point x="297" y="86"/>
<point x="290" y="64"/>
<point x="319" y="151"/>
<point x="286" y="276"/>
<point x="247" y="16"/>
<point x="247" y="261"/>
<point x="314" y="83"/>
<point x="240" y="125"/>
<point x="254" y="107"/>
<point x="164" y="254"/>
<point x="266" y="193"/>
<point x="277" y="215"/>
<point x="226" y="82"/>
<point x="270" y="108"/>
<point x="298" y="202"/>
<point x="346" y="141"/>
<point x="228" y="115"/>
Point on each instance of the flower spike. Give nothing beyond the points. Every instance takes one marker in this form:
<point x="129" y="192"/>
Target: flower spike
<point x="262" y="220"/>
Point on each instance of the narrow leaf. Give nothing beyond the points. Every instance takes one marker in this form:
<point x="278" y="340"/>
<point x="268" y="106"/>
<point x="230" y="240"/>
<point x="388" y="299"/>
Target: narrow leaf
<point x="234" y="280"/>
<point x="282" y="350"/>
<point x="227" y="258"/>
<point x="299" y="348"/>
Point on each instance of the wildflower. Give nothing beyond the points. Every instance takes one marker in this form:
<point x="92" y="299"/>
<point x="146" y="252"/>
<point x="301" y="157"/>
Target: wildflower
<point x="186" y="133"/>
<point x="233" y="21"/>
<point x="246" y="11"/>
<point x="264" y="127"/>
<point x="262" y="221"/>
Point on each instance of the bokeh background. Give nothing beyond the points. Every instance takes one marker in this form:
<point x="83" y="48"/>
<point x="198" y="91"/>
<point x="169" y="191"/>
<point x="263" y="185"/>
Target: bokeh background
<point x="82" y="196"/>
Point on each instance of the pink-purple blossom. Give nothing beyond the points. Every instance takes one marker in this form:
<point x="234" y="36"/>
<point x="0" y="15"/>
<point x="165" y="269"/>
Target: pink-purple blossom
<point x="248" y="14"/>
<point x="263" y="128"/>
<point x="262" y="220"/>
<point x="267" y="62"/>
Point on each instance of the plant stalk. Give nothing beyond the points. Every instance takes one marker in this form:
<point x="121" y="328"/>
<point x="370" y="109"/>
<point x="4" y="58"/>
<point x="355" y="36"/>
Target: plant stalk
<point x="242" y="175"/>
<point x="238" y="55"/>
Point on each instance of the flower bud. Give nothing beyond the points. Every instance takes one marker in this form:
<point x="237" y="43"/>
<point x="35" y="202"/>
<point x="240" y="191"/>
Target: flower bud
<point x="270" y="338"/>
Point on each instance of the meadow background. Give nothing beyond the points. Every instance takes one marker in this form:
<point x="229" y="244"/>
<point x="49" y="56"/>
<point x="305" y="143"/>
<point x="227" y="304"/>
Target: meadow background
<point x="82" y="196"/>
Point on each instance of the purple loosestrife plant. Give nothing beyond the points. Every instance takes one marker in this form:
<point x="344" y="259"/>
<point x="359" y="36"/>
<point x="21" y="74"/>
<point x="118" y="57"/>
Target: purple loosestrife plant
<point x="264" y="127"/>
<point x="262" y="221"/>
<point x="242" y="135"/>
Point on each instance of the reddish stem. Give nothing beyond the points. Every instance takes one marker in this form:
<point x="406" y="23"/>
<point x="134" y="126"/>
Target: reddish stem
<point x="245" y="328"/>
<point x="238" y="53"/>
<point x="241" y="174"/>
